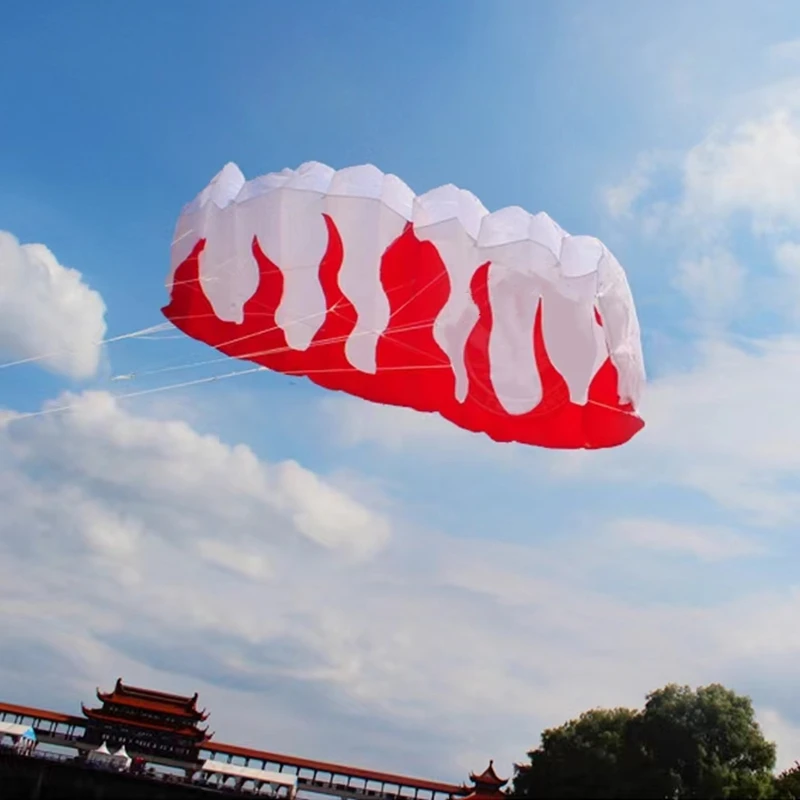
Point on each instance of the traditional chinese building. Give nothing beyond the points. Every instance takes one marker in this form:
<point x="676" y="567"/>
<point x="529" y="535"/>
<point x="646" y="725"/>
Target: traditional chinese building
<point x="147" y="722"/>
<point x="157" y="728"/>
<point x="486" y="786"/>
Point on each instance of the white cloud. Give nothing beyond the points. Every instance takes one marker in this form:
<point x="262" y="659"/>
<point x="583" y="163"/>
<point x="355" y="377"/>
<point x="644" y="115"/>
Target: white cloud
<point x="785" y="295"/>
<point x="706" y="542"/>
<point x="754" y="168"/>
<point x="749" y="166"/>
<point x="726" y="427"/>
<point x="333" y="518"/>
<point x="177" y="471"/>
<point x="621" y="198"/>
<point x="713" y="282"/>
<point x="785" y="51"/>
<point x="741" y="180"/>
<point x="787" y="256"/>
<point x="247" y="563"/>
<point x="47" y="312"/>
<point x="395" y="428"/>
<point x="137" y="546"/>
<point x="778" y="729"/>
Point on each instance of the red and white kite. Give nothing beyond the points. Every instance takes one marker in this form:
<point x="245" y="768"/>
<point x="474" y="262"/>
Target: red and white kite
<point x="502" y="323"/>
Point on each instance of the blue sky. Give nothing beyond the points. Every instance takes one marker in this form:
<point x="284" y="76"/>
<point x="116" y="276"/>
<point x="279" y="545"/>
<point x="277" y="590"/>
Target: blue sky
<point x="183" y="539"/>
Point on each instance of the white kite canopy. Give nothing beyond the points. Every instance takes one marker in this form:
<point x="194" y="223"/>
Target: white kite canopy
<point x="251" y="774"/>
<point x="500" y="322"/>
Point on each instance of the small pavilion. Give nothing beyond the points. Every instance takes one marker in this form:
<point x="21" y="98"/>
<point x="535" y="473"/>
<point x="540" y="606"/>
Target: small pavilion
<point x="486" y="786"/>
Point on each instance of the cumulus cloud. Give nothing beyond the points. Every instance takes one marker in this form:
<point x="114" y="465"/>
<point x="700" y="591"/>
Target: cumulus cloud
<point x="706" y="542"/>
<point x="621" y="198"/>
<point x="246" y="563"/>
<point x="47" y="311"/>
<point x="787" y="293"/>
<point x="785" y="51"/>
<point x="728" y="427"/>
<point x="753" y="168"/>
<point x="714" y="282"/>
<point x="395" y="428"/>
<point x="787" y="255"/>
<point x="739" y="184"/>
<point x="725" y="427"/>
<point x="136" y="546"/>
<point x="176" y="473"/>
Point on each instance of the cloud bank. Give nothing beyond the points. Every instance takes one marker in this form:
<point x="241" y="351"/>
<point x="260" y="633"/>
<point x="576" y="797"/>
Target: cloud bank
<point x="47" y="311"/>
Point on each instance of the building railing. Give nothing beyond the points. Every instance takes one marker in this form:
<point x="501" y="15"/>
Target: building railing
<point x="151" y="774"/>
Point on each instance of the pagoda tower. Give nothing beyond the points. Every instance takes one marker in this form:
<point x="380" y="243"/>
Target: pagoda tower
<point x="486" y="786"/>
<point x="147" y="722"/>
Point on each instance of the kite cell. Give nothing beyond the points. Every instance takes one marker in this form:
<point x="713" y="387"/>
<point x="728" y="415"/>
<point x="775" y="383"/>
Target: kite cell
<point x="502" y="323"/>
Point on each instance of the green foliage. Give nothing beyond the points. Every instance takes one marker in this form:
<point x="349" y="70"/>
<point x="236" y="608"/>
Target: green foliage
<point x="684" y="743"/>
<point x="787" y="784"/>
<point x="587" y="757"/>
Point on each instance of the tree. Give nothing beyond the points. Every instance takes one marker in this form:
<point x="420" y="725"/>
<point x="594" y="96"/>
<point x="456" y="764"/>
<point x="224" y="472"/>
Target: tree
<point x="787" y="784"/>
<point x="704" y="743"/>
<point x="587" y="757"/>
<point x="684" y="743"/>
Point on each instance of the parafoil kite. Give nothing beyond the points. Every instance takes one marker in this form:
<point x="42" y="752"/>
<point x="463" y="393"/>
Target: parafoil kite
<point x="501" y="323"/>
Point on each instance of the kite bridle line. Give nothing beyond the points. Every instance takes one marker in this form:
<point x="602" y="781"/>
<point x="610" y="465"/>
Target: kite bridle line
<point x="145" y="333"/>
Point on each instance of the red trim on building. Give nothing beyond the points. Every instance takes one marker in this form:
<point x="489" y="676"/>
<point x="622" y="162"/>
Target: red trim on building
<point x="486" y="786"/>
<point x="122" y="693"/>
<point x="189" y="733"/>
<point x="164" y="697"/>
<point x="150" y="705"/>
<point x="334" y="769"/>
<point x="298" y="763"/>
<point x="40" y="714"/>
<point x="488" y="777"/>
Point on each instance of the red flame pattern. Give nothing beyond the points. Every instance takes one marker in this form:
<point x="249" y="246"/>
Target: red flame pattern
<point x="412" y="370"/>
